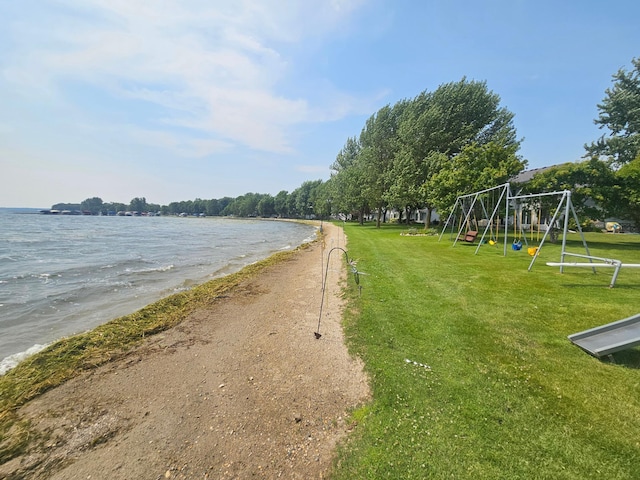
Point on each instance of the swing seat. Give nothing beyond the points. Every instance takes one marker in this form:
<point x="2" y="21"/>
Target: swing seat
<point x="470" y="236"/>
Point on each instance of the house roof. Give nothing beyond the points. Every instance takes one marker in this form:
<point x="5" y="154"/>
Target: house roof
<point x="527" y="175"/>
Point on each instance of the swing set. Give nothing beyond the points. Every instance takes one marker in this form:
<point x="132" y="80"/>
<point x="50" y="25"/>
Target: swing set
<point x="487" y="204"/>
<point x="528" y="219"/>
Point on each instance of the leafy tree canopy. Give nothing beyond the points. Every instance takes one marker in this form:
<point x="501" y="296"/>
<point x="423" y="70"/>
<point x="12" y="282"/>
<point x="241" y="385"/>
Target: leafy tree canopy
<point x="401" y="147"/>
<point x="379" y="142"/>
<point x="628" y="179"/>
<point x="461" y="140"/>
<point x="595" y="193"/>
<point x="455" y="115"/>
<point x="620" y="114"/>
<point x="475" y="168"/>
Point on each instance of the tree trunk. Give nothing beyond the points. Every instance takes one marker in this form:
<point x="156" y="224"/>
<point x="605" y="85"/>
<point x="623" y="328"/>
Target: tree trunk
<point x="427" y="219"/>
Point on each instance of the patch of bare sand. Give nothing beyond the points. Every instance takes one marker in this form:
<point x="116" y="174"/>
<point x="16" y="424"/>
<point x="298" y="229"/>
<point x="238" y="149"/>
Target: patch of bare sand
<point x="240" y="389"/>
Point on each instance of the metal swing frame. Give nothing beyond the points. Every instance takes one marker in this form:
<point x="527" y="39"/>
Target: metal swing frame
<point x="475" y="198"/>
<point x="564" y="205"/>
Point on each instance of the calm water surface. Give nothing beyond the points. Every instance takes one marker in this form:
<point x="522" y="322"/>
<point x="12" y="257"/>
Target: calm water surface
<point x="61" y="275"/>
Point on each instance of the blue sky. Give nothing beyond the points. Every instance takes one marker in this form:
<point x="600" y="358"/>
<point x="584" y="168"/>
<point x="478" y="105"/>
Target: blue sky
<point x="182" y="99"/>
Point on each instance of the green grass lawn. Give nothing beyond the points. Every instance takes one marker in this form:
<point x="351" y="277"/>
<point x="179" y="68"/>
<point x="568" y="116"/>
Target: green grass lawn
<point x="505" y="394"/>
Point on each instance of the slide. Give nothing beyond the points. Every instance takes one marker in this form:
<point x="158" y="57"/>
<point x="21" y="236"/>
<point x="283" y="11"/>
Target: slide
<point x="609" y="338"/>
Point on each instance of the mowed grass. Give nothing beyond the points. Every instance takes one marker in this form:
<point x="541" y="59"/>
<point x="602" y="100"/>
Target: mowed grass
<point x="497" y="390"/>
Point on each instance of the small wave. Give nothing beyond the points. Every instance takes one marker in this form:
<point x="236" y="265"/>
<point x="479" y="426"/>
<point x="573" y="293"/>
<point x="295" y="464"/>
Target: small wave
<point x="164" y="268"/>
<point x="12" y="360"/>
<point x="45" y="276"/>
<point x="33" y="276"/>
<point x="188" y="284"/>
<point x="311" y="238"/>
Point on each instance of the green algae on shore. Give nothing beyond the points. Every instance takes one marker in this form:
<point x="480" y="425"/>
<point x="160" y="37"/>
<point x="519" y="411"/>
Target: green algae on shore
<point x="70" y="356"/>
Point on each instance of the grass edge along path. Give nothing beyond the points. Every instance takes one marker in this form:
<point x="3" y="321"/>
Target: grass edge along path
<point x="471" y="371"/>
<point x="70" y="356"/>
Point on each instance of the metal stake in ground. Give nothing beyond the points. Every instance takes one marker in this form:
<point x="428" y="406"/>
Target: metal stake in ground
<point x="356" y="275"/>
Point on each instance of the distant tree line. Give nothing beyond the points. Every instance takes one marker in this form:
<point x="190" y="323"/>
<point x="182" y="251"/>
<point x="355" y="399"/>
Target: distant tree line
<point x="426" y="151"/>
<point x="300" y="203"/>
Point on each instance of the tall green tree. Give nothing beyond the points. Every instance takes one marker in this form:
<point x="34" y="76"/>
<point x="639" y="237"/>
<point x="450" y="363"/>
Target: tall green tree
<point x="138" y="204"/>
<point x="595" y="192"/>
<point x="628" y="180"/>
<point x="93" y="205"/>
<point x="199" y="206"/>
<point x="324" y="199"/>
<point x="266" y="206"/>
<point x="402" y="147"/>
<point x="475" y="168"/>
<point x="223" y="203"/>
<point x="466" y="112"/>
<point x="436" y="128"/>
<point x="379" y="146"/>
<point x="305" y="198"/>
<point x="619" y="112"/>
<point x="347" y="179"/>
<point x="213" y="207"/>
<point x="281" y="203"/>
<point x="461" y="141"/>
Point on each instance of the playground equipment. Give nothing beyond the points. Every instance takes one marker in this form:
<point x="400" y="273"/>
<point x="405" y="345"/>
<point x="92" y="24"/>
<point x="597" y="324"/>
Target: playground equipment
<point x="598" y="341"/>
<point x="610" y="338"/>
<point x="492" y="201"/>
<point x="488" y="200"/>
<point x="527" y="211"/>
<point x="564" y="204"/>
<point x="470" y="236"/>
<point x="604" y="262"/>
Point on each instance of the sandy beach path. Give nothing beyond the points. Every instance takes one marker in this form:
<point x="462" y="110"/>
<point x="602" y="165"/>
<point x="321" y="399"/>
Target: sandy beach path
<point x="241" y="389"/>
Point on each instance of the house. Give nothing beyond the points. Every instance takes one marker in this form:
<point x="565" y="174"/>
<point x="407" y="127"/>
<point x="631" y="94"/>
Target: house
<point x="417" y="216"/>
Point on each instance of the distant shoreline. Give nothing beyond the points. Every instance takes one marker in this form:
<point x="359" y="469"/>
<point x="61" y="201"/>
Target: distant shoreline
<point x="20" y="210"/>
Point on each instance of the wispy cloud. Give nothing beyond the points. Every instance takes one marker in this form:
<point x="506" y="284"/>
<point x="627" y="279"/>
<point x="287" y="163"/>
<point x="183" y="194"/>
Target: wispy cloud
<point x="216" y="70"/>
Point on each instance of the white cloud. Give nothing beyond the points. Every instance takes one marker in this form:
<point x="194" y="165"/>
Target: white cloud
<point x="217" y="69"/>
<point x="180" y="145"/>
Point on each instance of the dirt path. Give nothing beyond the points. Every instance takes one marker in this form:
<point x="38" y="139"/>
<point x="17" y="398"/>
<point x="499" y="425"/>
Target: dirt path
<point x="241" y="389"/>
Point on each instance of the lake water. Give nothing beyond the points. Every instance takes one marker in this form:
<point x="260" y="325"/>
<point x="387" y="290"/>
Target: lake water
<point x="61" y="275"/>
